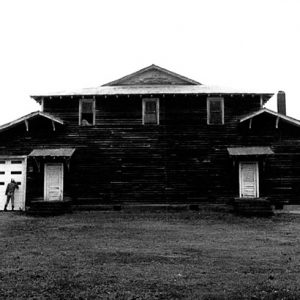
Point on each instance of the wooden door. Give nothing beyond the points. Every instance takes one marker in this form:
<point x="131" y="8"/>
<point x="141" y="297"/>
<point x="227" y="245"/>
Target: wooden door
<point x="53" y="185"/>
<point x="249" y="180"/>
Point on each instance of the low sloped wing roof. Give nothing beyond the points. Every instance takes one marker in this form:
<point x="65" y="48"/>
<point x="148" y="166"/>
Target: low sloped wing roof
<point x="30" y="116"/>
<point x="272" y="113"/>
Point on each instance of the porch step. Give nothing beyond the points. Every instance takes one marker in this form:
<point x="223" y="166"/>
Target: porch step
<point x="292" y="209"/>
<point x="131" y="206"/>
<point x="48" y="208"/>
<point x="253" y="206"/>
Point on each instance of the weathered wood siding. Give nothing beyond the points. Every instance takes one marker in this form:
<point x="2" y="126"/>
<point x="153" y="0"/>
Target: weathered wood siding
<point x="279" y="173"/>
<point x="183" y="160"/>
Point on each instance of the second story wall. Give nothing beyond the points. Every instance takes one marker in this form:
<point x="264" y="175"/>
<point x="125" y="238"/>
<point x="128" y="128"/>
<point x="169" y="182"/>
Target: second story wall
<point x="173" y="110"/>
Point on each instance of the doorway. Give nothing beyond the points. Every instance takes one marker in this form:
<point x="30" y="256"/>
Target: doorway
<point x="249" y="181"/>
<point x="53" y="182"/>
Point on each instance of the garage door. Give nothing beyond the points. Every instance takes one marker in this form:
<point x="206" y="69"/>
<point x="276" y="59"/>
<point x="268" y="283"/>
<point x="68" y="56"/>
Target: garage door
<point x="13" y="168"/>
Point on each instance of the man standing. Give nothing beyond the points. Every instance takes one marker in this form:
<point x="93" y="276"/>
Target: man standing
<point x="10" y="193"/>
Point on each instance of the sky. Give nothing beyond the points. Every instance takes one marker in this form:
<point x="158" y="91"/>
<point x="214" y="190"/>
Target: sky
<point x="53" y="45"/>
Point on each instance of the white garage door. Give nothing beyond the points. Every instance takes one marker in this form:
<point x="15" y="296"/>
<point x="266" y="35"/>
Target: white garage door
<point x="13" y="168"/>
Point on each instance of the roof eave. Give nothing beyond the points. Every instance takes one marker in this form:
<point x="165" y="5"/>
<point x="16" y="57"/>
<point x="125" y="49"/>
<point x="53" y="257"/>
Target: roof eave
<point x="39" y="98"/>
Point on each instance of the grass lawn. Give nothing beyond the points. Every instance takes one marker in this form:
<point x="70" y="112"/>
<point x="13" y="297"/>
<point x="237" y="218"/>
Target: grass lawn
<point x="122" y="255"/>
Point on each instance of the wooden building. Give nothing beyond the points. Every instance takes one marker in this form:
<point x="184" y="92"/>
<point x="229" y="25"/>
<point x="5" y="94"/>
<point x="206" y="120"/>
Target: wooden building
<point x="152" y="137"/>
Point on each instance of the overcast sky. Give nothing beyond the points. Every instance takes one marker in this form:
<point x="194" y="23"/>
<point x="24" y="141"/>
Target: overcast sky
<point x="60" y="45"/>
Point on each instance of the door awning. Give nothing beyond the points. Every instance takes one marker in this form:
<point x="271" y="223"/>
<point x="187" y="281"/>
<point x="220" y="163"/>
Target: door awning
<point x="247" y="151"/>
<point x="61" y="152"/>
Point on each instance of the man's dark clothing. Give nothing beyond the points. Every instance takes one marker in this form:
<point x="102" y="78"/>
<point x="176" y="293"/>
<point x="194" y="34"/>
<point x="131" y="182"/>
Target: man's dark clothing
<point x="10" y="193"/>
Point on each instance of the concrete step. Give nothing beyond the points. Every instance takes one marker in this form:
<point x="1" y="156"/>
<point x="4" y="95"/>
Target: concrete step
<point x="253" y="206"/>
<point x="50" y="208"/>
<point x="292" y="209"/>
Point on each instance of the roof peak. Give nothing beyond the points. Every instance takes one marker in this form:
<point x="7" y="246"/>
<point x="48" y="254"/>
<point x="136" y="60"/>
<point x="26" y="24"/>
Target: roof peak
<point x="153" y="75"/>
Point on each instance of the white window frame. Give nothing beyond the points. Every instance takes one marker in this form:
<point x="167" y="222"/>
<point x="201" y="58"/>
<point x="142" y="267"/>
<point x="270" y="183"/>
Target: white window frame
<point x="257" y="176"/>
<point x="156" y="100"/>
<point x="208" y="109"/>
<point x="80" y="110"/>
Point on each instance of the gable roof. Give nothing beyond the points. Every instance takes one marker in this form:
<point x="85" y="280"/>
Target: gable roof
<point x="154" y="80"/>
<point x="30" y="116"/>
<point x="153" y="75"/>
<point x="270" y="112"/>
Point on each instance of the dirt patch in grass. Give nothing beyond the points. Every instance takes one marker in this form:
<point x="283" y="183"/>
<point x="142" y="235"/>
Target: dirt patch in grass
<point x="123" y="255"/>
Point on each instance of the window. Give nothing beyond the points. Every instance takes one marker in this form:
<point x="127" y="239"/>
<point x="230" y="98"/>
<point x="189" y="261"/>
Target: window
<point x="16" y="162"/>
<point x="150" y="111"/>
<point x="87" y="112"/>
<point x="215" y="111"/>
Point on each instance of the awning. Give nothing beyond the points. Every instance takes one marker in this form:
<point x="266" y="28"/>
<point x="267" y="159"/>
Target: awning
<point x="244" y="151"/>
<point x="40" y="154"/>
<point x="61" y="152"/>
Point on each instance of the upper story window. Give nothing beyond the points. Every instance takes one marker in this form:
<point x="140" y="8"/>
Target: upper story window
<point x="151" y="111"/>
<point x="87" y="112"/>
<point x="215" y="110"/>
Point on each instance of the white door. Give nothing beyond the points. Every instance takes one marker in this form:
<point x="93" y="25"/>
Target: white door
<point x="53" y="182"/>
<point x="13" y="168"/>
<point x="249" y="180"/>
